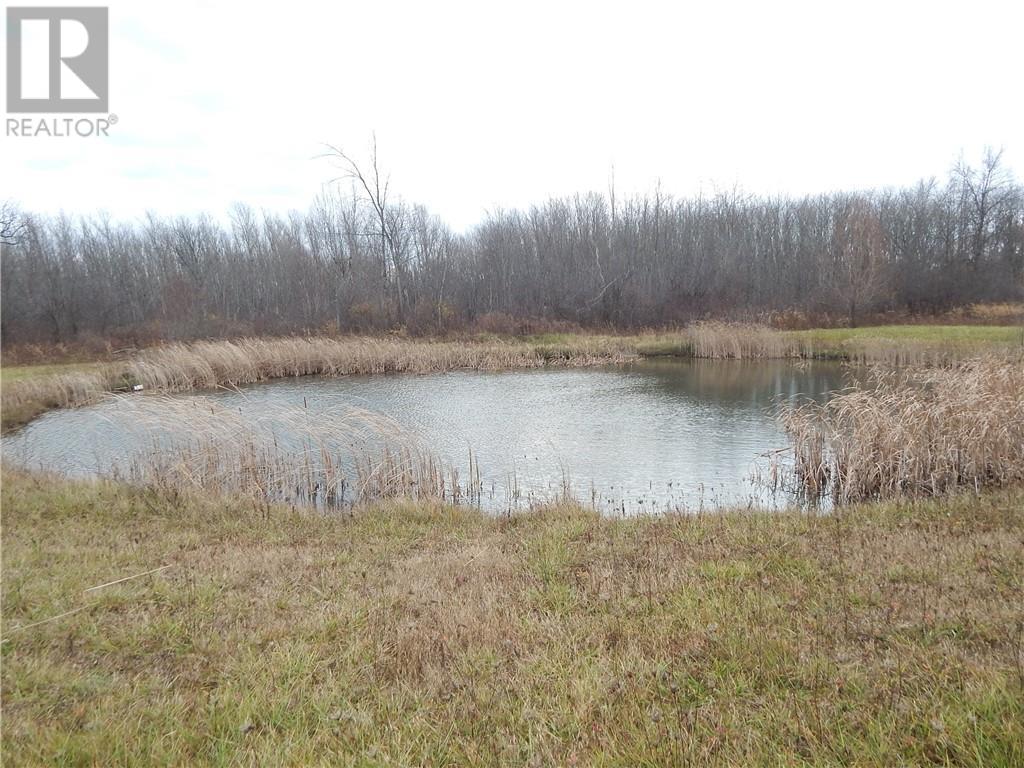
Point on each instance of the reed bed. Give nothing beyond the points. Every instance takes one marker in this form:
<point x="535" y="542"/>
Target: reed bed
<point x="225" y="363"/>
<point x="212" y="364"/>
<point x="23" y="400"/>
<point x="918" y="432"/>
<point x="287" y="454"/>
<point x="741" y="341"/>
<point x="61" y="390"/>
<point x="865" y="346"/>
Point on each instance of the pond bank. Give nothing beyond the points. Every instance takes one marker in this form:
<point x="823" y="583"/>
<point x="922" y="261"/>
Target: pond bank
<point x="199" y="365"/>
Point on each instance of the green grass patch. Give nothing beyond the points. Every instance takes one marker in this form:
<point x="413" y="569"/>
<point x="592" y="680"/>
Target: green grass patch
<point x="958" y="334"/>
<point x="12" y="373"/>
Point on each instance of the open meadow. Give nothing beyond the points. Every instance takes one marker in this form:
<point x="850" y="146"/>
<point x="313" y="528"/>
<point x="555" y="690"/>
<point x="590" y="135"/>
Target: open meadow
<point x="413" y="634"/>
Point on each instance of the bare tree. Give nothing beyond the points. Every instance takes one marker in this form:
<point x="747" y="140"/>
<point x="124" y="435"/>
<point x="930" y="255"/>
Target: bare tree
<point x="390" y="217"/>
<point x="984" y="193"/>
<point x="858" y="276"/>
<point x="11" y="224"/>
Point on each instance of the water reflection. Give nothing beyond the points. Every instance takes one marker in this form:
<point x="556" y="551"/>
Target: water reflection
<point x="646" y="437"/>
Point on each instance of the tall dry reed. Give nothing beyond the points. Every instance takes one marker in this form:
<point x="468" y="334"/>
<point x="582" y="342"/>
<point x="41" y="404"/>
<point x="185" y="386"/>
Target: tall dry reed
<point x="63" y="390"/>
<point x="921" y="431"/>
<point x="902" y="352"/>
<point x="285" y="454"/>
<point x="209" y="364"/>
<point x="740" y="341"/>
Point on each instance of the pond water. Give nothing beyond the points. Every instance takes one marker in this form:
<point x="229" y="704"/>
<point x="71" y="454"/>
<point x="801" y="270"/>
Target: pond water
<point x="645" y="437"/>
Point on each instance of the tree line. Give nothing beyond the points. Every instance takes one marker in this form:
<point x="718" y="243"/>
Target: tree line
<point x="362" y="259"/>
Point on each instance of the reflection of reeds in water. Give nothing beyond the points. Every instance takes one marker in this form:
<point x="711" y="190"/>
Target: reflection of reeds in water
<point x="285" y="453"/>
<point x="917" y="432"/>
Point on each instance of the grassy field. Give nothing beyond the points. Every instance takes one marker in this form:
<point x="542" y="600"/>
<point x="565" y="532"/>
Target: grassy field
<point x="12" y="373"/>
<point x="427" y="635"/>
<point x="977" y="334"/>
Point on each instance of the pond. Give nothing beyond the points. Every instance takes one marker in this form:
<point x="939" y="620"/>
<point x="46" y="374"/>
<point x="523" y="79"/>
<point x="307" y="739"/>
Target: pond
<point x="651" y="436"/>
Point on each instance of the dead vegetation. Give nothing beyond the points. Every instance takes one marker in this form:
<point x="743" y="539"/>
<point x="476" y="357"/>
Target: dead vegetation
<point x="922" y="431"/>
<point x="286" y="453"/>
<point x="23" y="400"/>
<point x="205" y="365"/>
<point x="741" y="341"/>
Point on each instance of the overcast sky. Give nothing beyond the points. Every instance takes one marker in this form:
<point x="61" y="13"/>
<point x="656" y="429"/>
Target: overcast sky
<point x="483" y="105"/>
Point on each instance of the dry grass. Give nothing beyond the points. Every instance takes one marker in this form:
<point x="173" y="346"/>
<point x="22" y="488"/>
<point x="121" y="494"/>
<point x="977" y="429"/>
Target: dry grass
<point x="431" y="635"/>
<point x="741" y="341"/>
<point x="13" y="373"/>
<point x="922" y="431"/>
<point x="333" y="459"/>
<point x="206" y="365"/>
<point x="996" y="313"/>
<point x="909" y="344"/>
<point x="25" y="398"/>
